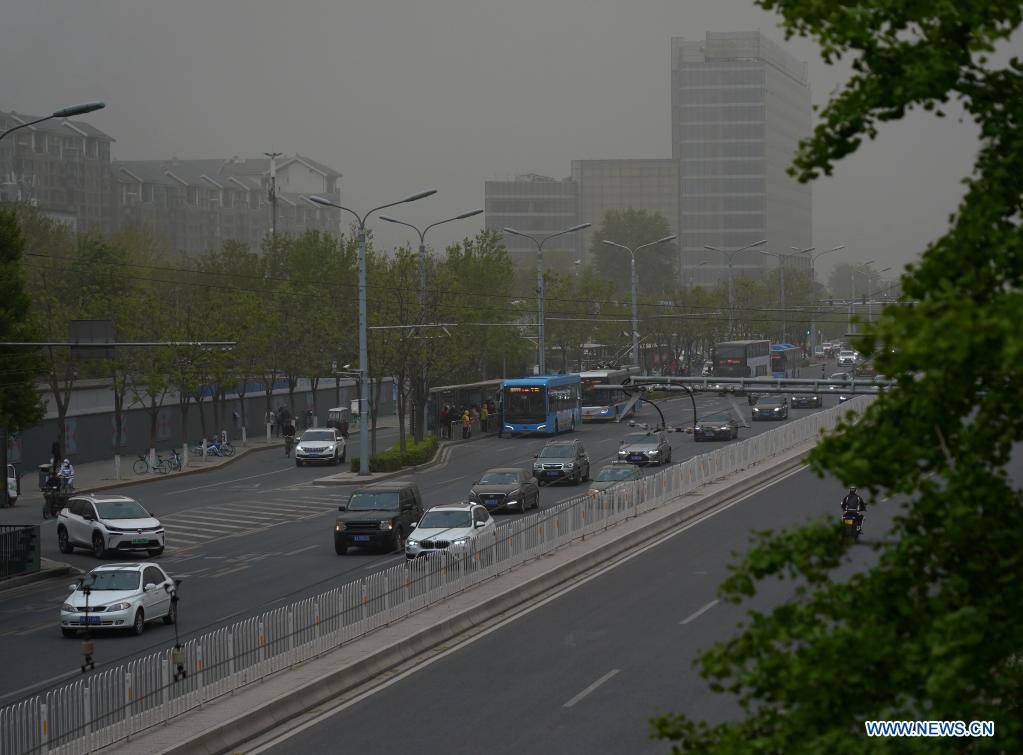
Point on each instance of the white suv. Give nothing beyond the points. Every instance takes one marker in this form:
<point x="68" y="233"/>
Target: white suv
<point x="456" y="528"/>
<point x="107" y="523"/>
<point x="847" y="357"/>
<point x="320" y="444"/>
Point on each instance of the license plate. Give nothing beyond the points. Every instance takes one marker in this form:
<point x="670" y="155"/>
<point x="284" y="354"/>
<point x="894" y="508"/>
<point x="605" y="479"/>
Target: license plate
<point x="140" y="541"/>
<point x="89" y="620"/>
<point x="360" y="538"/>
<point x="553" y="473"/>
<point x="849" y="521"/>
<point x="492" y="501"/>
<point x="636" y="457"/>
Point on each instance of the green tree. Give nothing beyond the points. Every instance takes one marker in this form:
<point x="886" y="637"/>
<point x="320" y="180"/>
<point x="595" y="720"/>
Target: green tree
<point x="656" y="266"/>
<point x="936" y="624"/>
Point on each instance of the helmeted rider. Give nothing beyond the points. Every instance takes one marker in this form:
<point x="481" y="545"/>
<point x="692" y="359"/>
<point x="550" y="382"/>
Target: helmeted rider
<point x="853" y="503"/>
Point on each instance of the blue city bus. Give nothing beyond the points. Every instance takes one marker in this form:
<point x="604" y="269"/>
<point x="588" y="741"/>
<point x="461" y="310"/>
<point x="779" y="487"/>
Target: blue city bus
<point x="606" y="406"/>
<point x="545" y="404"/>
<point x="785" y="358"/>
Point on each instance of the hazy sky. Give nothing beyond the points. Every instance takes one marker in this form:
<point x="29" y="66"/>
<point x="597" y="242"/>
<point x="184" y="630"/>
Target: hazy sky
<point x="401" y="95"/>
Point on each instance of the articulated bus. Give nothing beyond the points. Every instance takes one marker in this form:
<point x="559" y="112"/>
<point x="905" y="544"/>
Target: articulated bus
<point x="606" y="406"/>
<point x="785" y="359"/>
<point x="545" y="404"/>
<point x="742" y="359"/>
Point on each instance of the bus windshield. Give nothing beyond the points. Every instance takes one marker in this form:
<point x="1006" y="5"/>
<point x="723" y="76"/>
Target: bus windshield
<point x="525" y="403"/>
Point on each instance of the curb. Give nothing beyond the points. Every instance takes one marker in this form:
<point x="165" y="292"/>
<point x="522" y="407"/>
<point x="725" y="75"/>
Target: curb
<point x="440" y="457"/>
<point x="229" y="733"/>
<point x="56" y="569"/>
<point x="241" y="452"/>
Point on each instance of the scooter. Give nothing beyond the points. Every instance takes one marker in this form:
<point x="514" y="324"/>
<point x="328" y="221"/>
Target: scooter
<point x="853" y="521"/>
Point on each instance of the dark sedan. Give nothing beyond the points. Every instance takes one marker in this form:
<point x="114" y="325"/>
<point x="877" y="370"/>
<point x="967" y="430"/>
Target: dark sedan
<point x="716" y="427"/>
<point x="806" y="401"/>
<point x="650" y="447"/>
<point x="506" y="488"/>
<point x="771" y="407"/>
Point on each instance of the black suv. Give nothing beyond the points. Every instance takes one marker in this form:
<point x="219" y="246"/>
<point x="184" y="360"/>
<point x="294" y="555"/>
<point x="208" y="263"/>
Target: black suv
<point x="562" y="459"/>
<point x="378" y="516"/>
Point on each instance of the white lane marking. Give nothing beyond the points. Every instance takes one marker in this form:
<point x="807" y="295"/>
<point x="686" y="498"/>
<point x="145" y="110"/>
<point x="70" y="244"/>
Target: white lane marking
<point x="454" y="479"/>
<point x="215" y="521"/>
<point x="193" y="525"/>
<point x="224" y="573"/>
<point x="228" y="482"/>
<point x="698" y="614"/>
<point x="316" y="720"/>
<point x="592" y="687"/>
<point x="301" y="550"/>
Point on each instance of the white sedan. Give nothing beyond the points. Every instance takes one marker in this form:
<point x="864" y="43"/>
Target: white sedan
<point x="119" y="596"/>
<point x="456" y="528"/>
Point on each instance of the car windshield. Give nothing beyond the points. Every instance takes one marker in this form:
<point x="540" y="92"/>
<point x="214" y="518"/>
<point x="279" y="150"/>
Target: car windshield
<point x="445" y="519"/>
<point x="557" y="452"/>
<point x="499" y="478"/>
<point x="374" y="501"/>
<point x="120" y="579"/>
<point x="317" y="435"/>
<point x="716" y="419"/>
<point x="120" y="510"/>
<point x="771" y="400"/>
<point x="637" y="438"/>
<point x="607" y="474"/>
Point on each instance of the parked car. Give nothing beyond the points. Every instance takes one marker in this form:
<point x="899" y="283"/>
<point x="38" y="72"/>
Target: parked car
<point x="806" y="401"/>
<point x="716" y="427"/>
<point x="562" y="459"/>
<point x="120" y="596"/>
<point x="648" y="447"/>
<point x="456" y="528"/>
<point x="13" y="486"/>
<point x="320" y="444"/>
<point x="771" y="407"/>
<point x="612" y="474"/>
<point x="505" y="488"/>
<point x="378" y="516"/>
<point x="108" y="523"/>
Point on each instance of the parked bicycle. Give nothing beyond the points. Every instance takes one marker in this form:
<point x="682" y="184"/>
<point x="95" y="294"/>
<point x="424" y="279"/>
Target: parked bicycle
<point x="161" y="466"/>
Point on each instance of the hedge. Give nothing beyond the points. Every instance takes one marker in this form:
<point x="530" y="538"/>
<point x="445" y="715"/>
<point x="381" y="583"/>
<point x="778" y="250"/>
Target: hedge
<point x="392" y="459"/>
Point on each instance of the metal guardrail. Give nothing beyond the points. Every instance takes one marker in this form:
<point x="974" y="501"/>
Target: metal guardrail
<point x="113" y="705"/>
<point x="19" y="550"/>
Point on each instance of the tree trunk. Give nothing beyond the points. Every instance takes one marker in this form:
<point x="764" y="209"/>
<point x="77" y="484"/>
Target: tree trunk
<point x="183" y="399"/>
<point x="314" y="383"/>
<point x="202" y="414"/>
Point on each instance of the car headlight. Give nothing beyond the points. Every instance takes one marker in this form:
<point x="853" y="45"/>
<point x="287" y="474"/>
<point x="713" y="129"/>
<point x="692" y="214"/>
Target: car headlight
<point x="412" y="543"/>
<point x="725" y="427"/>
<point x="68" y="608"/>
<point x="537" y="465"/>
<point x="541" y="427"/>
<point x="113" y="529"/>
<point x="339" y="526"/>
<point x="330" y="449"/>
<point x="460" y="540"/>
<point x="119" y="607"/>
<point x="386" y="524"/>
<point x="568" y="465"/>
<point x="652" y="453"/>
<point x="777" y="408"/>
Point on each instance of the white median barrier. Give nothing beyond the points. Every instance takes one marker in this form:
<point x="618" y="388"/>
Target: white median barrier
<point x="121" y="702"/>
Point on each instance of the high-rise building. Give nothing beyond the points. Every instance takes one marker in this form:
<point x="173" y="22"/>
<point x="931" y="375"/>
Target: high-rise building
<point x="740" y="104"/>
<point x="533" y="204"/>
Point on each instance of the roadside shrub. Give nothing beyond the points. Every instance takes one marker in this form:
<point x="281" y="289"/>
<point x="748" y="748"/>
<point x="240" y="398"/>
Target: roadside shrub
<point x="392" y="459"/>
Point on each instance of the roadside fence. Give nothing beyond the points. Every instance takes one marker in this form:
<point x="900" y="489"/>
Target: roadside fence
<point x="115" y="704"/>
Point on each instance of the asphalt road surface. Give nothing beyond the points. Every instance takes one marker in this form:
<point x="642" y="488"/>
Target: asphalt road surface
<point x="258" y="534"/>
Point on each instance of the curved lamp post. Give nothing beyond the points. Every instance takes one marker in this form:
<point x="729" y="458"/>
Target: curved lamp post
<point x="541" y="361"/>
<point x="421" y="409"/>
<point x="632" y="257"/>
<point x="64" y="112"/>
<point x="730" y="255"/>
<point x="363" y="347"/>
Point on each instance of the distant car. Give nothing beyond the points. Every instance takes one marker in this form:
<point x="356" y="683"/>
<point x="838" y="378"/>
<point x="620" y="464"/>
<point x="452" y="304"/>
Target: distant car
<point x="455" y="528"/>
<point x="847" y="376"/>
<point x="320" y="445"/>
<point x="806" y="401"/>
<point x="716" y="427"/>
<point x="613" y="474"/>
<point x="13" y="486"/>
<point x="648" y="447"/>
<point x="379" y="516"/>
<point x="771" y="407"/>
<point x="818" y="351"/>
<point x="108" y="523"/>
<point x="121" y="596"/>
<point x="847" y="358"/>
<point x="506" y="488"/>
<point x="561" y="460"/>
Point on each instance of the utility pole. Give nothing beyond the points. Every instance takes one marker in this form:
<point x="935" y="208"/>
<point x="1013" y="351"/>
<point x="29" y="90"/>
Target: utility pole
<point x="271" y="192"/>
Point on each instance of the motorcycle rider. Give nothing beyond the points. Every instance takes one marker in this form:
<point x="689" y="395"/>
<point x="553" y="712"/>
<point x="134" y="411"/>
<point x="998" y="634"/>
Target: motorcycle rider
<point x="854" y="504"/>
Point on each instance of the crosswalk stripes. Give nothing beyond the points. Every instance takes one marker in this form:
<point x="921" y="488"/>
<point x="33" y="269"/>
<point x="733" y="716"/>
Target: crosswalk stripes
<point x="193" y="527"/>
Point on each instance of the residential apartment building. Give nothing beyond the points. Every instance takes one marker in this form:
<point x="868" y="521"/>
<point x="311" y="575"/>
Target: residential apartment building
<point x="61" y="166"/>
<point x="740" y="104"/>
<point x="198" y="204"/>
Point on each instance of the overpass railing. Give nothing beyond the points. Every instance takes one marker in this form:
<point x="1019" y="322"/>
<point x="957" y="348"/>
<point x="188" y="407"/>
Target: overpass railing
<point x="112" y="705"/>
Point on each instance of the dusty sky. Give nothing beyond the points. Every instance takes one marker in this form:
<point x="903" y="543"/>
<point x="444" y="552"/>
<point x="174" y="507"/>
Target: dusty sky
<point x="401" y="95"/>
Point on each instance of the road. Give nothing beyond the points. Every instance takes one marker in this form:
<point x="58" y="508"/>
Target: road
<point x="584" y="672"/>
<point x="257" y="534"/>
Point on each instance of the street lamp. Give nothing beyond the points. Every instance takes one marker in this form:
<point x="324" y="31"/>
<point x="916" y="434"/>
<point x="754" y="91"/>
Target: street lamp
<point x="363" y="346"/>
<point x="64" y="112"/>
<point x="852" y="288"/>
<point x="730" y="255"/>
<point x="781" y="257"/>
<point x="632" y="258"/>
<point x="421" y="393"/>
<point x="813" y="282"/>
<point x="541" y="361"/>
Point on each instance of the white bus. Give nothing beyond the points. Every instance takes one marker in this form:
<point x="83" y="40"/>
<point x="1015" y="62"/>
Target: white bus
<point x="606" y="406"/>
